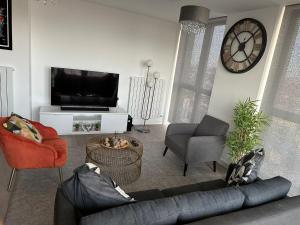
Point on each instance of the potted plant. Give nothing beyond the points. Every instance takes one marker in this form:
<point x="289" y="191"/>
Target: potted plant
<point x="97" y="126"/>
<point x="76" y="126"/>
<point x="249" y="124"/>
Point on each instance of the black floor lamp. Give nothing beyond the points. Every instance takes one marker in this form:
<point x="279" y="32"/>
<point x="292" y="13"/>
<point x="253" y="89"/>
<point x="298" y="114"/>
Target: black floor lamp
<point x="148" y="97"/>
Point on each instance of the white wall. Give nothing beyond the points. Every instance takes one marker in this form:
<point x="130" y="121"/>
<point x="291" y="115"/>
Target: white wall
<point x="85" y="35"/>
<point x="229" y="88"/>
<point x="19" y="57"/>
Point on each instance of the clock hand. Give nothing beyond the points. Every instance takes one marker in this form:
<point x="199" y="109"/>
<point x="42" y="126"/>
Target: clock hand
<point x="246" y="56"/>
<point x="252" y="35"/>
<point x="236" y="37"/>
<point x="232" y="56"/>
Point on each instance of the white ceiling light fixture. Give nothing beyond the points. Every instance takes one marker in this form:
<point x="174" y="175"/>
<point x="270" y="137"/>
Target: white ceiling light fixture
<point x="193" y="19"/>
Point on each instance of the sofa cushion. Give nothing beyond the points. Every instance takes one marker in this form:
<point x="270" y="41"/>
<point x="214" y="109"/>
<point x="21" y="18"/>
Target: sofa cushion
<point x="198" y="205"/>
<point x="203" y="186"/>
<point x="172" y="210"/>
<point x="159" y="212"/>
<point x="90" y="191"/>
<point x="247" y="168"/>
<point x="282" y="212"/>
<point x="64" y="211"/>
<point x="211" y="126"/>
<point x="265" y="191"/>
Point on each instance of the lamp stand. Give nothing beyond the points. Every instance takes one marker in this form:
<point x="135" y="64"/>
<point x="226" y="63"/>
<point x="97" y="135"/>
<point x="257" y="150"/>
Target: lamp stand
<point x="147" y="114"/>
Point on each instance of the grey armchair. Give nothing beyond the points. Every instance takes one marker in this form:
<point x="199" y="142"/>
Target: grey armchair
<point x="195" y="143"/>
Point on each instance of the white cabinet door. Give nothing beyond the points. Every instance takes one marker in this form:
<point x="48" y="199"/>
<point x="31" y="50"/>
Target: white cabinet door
<point x="111" y="123"/>
<point x="63" y="123"/>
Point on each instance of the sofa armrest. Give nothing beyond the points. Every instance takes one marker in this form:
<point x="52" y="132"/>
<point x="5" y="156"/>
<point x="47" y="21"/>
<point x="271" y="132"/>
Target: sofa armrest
<point x="46" y="132"/>
<point x="64" y="211"/>
<point x="205" y="148"/>
<point x="181" y="128"/>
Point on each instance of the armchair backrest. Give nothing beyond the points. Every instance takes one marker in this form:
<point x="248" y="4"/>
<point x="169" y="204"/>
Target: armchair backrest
<point x="211" y="126"/>
<point x="12" y="146"/>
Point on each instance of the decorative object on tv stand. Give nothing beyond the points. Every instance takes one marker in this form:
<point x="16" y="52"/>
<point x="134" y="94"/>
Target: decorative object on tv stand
<point x="249" y="125"/>
<point x="148" y="96"/>
<point x="193" y="19"/>
<point x="97" y="126"/>
<point x="76" y="127"/>
<point x="45" y="2"/>
<point x="5" y="25"/>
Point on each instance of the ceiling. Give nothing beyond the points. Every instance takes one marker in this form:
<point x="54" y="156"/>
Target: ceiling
<point x="169" y="9"/>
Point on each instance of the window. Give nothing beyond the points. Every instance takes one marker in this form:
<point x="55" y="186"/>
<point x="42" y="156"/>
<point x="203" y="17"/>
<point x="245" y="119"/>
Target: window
<point x="282" y="103"/>
<point x="195" y="71"/>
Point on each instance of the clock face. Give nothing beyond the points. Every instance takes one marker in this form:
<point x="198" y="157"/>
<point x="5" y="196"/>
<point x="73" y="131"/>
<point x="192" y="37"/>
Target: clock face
<point x="243" y="45"/>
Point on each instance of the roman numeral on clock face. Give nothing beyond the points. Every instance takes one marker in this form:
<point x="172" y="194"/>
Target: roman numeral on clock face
<point x="256" y="47"/>
<point x="252" y="57"/>
<point x="258" y="35"/>
<point x="248" y="25"/>
<point x="229" y="63"/>
<point x="235" y="66"/>
<point x="226" y="55"/>
<point x="245" y="64"/>
<point x="227" y="48"/>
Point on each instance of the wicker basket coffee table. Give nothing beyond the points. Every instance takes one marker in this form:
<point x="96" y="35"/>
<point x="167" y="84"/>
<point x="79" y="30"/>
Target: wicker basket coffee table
<point x="122" y="165"/>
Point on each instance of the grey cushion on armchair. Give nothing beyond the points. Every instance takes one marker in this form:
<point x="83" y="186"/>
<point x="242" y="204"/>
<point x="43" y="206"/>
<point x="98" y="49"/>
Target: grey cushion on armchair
<point x="211" y="126"/>
<point x="202" y="142"/>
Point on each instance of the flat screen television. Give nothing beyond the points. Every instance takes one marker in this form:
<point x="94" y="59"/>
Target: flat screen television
<point x="83" y="89"/>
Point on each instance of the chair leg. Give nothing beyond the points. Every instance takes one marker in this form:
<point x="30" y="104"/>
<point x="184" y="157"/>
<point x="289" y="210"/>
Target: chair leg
<point x="166" y="149"/>
<point x="61" y="178"/>
<point x="11" y="179"/>
<point x="215" y="166"/>
<point x="185" y="169"/>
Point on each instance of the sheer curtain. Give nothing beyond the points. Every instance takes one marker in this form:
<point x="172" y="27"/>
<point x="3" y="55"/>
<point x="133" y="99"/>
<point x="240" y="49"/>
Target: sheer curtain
<point x="195" y="71"/>
<point x="282" y="103"/>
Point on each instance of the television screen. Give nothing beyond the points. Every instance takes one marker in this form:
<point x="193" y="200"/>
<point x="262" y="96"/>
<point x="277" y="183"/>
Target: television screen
<point x="70" y="87"/>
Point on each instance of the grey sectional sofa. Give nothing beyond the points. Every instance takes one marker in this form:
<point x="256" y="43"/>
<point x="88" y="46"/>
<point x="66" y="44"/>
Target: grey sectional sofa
<point x="263" y="202"/>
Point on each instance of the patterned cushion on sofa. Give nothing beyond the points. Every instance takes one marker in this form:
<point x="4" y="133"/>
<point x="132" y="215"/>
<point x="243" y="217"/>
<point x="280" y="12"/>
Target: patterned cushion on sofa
<point x="246" y="170"/>
<point x="21" y="126"/>
<point x="91" y="191"/>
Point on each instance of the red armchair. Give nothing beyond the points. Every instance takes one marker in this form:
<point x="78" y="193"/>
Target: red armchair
<point x="21" y="153"/>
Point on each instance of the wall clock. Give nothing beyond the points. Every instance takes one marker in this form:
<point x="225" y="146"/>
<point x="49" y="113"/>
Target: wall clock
<point x="243" y="45"/>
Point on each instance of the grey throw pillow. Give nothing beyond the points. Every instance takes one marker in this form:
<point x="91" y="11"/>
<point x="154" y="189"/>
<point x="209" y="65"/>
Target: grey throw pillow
<point x="247" y="169"/>
<point x="90" y="191"/>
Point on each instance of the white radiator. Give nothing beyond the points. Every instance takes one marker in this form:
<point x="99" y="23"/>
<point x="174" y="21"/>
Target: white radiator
<point x="6" y="91"/>
<point x="136" y="94"/>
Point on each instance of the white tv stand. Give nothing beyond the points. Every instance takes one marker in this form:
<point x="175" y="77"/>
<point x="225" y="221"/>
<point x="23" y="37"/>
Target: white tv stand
<point x="84" y="122"/>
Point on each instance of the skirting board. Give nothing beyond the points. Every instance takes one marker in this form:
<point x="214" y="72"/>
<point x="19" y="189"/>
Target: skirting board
<point x="149" y="122"/>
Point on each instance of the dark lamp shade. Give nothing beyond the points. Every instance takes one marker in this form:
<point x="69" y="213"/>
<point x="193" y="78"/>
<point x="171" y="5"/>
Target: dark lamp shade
<point x="194" y="13"/>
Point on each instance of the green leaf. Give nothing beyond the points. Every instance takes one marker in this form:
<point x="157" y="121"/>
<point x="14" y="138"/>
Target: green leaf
<point x="249" y="124"/>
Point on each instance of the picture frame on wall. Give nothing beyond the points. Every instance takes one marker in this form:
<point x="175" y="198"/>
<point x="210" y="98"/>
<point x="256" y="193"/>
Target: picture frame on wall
<point x="5" y="25"/>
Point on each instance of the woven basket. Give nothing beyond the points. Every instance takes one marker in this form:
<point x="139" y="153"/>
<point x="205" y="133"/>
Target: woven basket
<point x="122" y="165"/>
